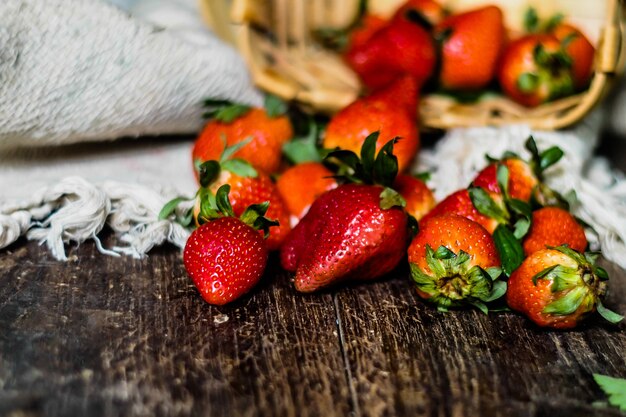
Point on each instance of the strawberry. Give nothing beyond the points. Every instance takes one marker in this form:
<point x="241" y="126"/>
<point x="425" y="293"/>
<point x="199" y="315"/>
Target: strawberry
<point x="454" y="262"/>
<point x="579" y="49"/>
<point x="300" y="185"/>
<point x="472" y="42"/>
<point x="429" y="11"/>
<point x="391" y="111"/>
<point x="226" y="257"/>
<point x="535" y="69"/>
<point x="355" y="231"/>
<point x="247" y="186"/>
<point x="554" y="226"/>
<point x="558" y="287"/>
<point x="574" y="42"/>
<point x="525" y="178"/>
<point x="265" y="129"/>
<point x="398" y="48"/>
<point x="419" y="198"/>
<point x="460" y="203"/>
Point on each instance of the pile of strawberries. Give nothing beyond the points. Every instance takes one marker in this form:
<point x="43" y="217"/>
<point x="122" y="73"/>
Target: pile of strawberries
<point x="468" y="52"/>
<point x="335" y="199"/>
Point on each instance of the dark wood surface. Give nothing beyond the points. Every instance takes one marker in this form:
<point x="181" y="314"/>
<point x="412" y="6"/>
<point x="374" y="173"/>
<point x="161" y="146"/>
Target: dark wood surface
<point x="103" y="336"/>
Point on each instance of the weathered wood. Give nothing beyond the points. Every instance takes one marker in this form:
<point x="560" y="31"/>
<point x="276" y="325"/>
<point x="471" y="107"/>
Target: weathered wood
<point x="406" y="358"/>
<point x="102" y="336"/>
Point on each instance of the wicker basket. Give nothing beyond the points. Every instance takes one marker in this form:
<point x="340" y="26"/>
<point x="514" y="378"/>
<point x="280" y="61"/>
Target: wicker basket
<point x="274" y="36"/>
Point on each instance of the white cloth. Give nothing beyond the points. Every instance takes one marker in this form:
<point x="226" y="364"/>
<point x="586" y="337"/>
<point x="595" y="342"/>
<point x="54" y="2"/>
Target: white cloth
<point x="77" y="70"/>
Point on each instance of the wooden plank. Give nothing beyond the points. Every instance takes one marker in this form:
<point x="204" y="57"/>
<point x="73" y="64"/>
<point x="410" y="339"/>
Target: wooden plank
<point x="103" y="336"/>
<point x="406" y="358"/>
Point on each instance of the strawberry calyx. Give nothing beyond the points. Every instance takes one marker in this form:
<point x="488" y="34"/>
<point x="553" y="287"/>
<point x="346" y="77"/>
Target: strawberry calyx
<point x="577" y="288"/>
<point x="215" y="206"/>
<point x="369" y="168"/>
<point x="455" y="281"/>
<point x="209" y="171"/>
<point x="552" y="73"/>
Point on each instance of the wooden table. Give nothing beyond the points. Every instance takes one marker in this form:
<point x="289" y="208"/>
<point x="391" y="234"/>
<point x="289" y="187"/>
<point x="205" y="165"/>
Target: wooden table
<point x="103" y="336"/>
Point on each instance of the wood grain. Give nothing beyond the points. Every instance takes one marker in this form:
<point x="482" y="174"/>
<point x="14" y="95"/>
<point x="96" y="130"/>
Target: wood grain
<point x="406" y="358"/>
<point x="104" y="336"/>
<point x="101" y="336"/>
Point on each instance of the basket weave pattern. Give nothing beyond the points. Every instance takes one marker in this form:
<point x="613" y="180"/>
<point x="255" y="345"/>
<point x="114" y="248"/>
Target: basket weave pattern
<point x="275" y="38"/>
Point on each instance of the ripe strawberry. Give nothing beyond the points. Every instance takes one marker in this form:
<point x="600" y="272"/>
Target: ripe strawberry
<point x="248" y="187"/>
<point x="579" y="49"/>
<point x="265" y="129"/>
<point x="368" y="26"/>
<point x="391" y="111"/>
<point x="522" y="179"/>
<point x="429" y="10"/>
<point x="535" y="69"/>
<point x="226" y="257"/>
<point x="472" y="43"/>
<point x="525" y="178"/>
<point x="454" y="262"/>
<point x="554" y="226"/>
<point x="573" y="41"/>
<point x="301" y="184"/>
<point x="558" y="287"/>
<point x="400" y="47"/>
<point x="355" y="231"/>
<point x="419" y="198"/>
<point x="460" y="203"/>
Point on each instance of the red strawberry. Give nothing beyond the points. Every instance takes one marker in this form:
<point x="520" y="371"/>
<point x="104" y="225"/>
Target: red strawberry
<point x="400" y="47"/>
<point x="265" y="130"/>
<point x="301" y="184"/>
<point x="558" y="287"/>
<point x="525" y="178"/>
<point x="554" y="226"/>
<point x="460" y="203"/>
<point x="535" y="69"/>
<point x="355" y="231"/>
<point x="419" y="198"/>
<point x="579" y="49"/>
<point x="391" y="111"/>
<point x="454" y="262"/>
<point x="226" y="257"/>
<point x="574" y="42"/>
<point x="429" y="10"/>
<point x="522" y="179"/>
<point x="472" y="43"/>
<point x="248" y="186"/>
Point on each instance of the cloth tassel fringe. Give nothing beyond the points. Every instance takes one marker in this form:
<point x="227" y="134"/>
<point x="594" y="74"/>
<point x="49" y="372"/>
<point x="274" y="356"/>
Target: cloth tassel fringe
<point x="75" y="210"/>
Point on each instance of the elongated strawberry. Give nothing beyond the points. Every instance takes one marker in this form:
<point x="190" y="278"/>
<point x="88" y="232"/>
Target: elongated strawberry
<point x="472" y="43"/>
<point x="558" y="287"/>
<point x="390" y="111"/>
<point x="357" y="231"/>
<point x="248" y="186"/>
<point x="554" y="226"/>
<point x="226" y="256"/>
<point x="454" y="262"/>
